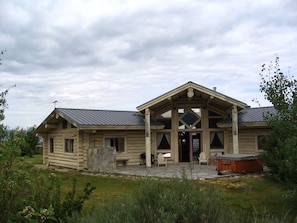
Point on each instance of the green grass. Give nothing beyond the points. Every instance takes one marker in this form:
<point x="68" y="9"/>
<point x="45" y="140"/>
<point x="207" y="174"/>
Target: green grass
<point x="36" y="159"/>
<point x="252" y="193"/>
<point x="245" y="194"/>
<point x="107" y="187"/>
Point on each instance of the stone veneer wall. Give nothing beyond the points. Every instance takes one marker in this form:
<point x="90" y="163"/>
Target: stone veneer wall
<point x="102" y="159"/>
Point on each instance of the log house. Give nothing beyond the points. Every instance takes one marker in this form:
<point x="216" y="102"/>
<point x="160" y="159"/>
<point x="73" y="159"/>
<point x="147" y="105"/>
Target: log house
<point x="182" y="122"/>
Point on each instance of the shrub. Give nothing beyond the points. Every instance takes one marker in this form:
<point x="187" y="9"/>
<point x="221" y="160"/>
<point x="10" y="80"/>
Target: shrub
<point x="31" y="193"/>
<point x="165" y="201"/>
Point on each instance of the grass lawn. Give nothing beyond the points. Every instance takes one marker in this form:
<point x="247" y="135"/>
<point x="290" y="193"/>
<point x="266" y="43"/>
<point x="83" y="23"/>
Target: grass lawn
<point x="252" y="193"/>
<point x="107" y="186"/>
<point x="243" y="194"/>
<point x="36" y="159"/>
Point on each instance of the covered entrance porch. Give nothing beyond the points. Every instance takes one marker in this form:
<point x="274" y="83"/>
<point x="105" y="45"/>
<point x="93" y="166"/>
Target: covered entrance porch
<point x="190" y="114"/>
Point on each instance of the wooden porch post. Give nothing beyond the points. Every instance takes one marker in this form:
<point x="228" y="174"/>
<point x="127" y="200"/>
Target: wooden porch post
<point x="148" y="137"/>
<point x="235" y="130"/>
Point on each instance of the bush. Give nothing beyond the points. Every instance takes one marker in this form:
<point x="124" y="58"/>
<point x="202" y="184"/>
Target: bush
<point x="32" y="194"/>
<point x="166" y="201"/>
<point x="173" y="200"/>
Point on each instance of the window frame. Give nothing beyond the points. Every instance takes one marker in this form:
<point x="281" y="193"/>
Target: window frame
<point x="116" y="138"/>
<point x="168" y="140"/>
<point x="223" y="139"/>
<point x="71" y="145"/>
<point x="64" y="124"/>
<point x="258" y="142"/>
<point x="51" y="145"/>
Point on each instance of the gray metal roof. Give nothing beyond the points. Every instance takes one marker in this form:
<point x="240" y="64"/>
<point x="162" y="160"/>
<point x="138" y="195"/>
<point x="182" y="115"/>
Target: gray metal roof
<point x="85" y="117"/>
<point x="252" y="115"/>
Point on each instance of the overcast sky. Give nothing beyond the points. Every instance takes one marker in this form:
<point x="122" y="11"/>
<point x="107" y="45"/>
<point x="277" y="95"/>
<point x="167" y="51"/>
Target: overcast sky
<point x="119" y="54"/>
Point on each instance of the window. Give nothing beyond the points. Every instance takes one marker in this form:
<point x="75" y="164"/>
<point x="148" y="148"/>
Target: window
<point x="216" y="140"/>
<point x="64" y="124"/>
<point x="260" y="142"/>
<point x="214" y="118"/>
<point x="163" y="141"/>
<point x="212" y="122"/>
<point x="118" y="143"/>
<point x="69" y="145"/>
<point x="189" y="118"/>
<point x="51" y="141"/>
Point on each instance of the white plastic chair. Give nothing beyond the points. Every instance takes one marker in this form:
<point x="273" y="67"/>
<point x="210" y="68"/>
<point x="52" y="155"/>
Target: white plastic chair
<point x="162" y="160"/>
<point x="202" y="158"/>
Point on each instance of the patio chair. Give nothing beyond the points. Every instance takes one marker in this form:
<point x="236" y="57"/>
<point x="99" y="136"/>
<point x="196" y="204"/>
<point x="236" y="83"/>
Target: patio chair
<point x="162" y="160"/>
<point x="202" y="158"/>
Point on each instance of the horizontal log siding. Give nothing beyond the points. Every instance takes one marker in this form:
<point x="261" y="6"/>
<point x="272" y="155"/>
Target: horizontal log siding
<point x="59" y="157"/>
<point x="96" y="140"/>
<point x="247" y="139"/>
<point x="45" y="150"/>
<point x="85" y="144"/>
<point x="135" y="143"/>
<point x="135" y="146"/>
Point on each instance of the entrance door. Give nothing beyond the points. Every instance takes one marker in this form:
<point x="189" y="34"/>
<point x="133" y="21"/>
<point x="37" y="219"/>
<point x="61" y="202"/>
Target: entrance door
<point x="189" y="145"/>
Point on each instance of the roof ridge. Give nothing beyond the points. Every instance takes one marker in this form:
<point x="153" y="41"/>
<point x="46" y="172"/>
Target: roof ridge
<point x="260" y="107"/>
<point x="93" y="109"/>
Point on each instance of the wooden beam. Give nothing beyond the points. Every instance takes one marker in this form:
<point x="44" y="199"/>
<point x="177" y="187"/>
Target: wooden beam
<point x="210" y="99"/>
<point x="50" y="126"/>
<point x="148" y="137"/>
<point x="235" y="130"/>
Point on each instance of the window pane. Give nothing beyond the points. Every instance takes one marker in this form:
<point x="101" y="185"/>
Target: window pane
<point x="108" y="142"/>
<point x="51" y="145"/>
<point x="212" y="122"/>
<point x="216" y="140"/>
<point x="64" y="124"/>
<point x="211" y="113"/>
<point x="166" y="122"/>
<point x="190" y="118"/>
<point x="163" y="140"/>
<point x="261" y="142"/>
<point x="69" y="145"/>
<point x="118" y="143"/>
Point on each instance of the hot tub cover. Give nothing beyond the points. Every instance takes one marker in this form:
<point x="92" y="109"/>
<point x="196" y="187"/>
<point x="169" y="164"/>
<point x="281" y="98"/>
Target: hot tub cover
<point x="237" y="157"/>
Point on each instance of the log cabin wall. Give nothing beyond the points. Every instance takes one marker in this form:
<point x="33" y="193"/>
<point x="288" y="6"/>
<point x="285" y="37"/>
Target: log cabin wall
<point x="58" y="156"/>
<point x="134" y="143"/>
<point x="45" y="150"/>
<point x="248" y="140"/>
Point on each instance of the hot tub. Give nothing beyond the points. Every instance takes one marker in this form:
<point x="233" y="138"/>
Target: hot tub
<point x="239" y="163"/>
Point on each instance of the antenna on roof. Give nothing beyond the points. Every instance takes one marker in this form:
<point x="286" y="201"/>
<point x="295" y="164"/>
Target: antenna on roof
<point x="55" y="102"/>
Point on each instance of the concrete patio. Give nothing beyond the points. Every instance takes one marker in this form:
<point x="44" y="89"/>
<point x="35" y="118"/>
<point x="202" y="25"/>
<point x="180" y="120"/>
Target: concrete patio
<point x="191" y="171"/>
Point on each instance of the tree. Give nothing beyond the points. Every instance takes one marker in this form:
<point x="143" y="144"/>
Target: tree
<point x="29" y="142"/>
<point x="280" y="153"/>
<point x="3" y="106"/>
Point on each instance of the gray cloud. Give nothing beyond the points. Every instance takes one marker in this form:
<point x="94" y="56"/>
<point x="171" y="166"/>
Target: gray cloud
<point x="120" y="54"/>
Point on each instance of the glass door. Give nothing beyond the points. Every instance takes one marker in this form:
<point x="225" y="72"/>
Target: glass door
<point x="189" y="145"/>
<point x="195" y="145"/>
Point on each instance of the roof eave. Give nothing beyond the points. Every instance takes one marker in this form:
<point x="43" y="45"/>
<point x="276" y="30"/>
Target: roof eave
<point x="196" y="87"/>
<point x="118" y="127"/>
<point x="243" y="124"/>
